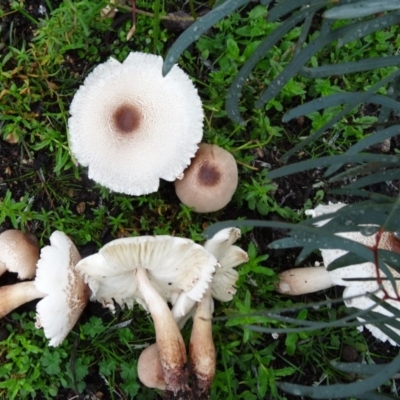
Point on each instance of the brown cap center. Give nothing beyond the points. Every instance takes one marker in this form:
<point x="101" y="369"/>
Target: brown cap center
<point x="209" y="175"/>
<point x="126" y="119"/>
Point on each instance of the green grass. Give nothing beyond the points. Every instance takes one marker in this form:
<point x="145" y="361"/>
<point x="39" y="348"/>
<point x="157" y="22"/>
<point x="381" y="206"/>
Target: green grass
<point x="39" y="74"/>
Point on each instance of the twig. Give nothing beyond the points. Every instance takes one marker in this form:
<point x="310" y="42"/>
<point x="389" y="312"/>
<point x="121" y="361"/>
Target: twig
<point x="133" y="29"/>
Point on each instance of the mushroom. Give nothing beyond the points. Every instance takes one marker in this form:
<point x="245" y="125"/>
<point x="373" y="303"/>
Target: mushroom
<point x="131" y="126"/>
<point x="153" y="270"/>
<point x="210" y="181"/>
<point x="64" y="294"/>
<point x="19" y="253"/>
<point x="356" y="278"/>
<point x="298" y="281"/>
<point x="201" y="353"/>
<point x="149" y="367"/>
<point x="170" y="344"/>
<point x="201" y="347"/>
<point x="223" y="283"/>
<point x="177" y="267"/>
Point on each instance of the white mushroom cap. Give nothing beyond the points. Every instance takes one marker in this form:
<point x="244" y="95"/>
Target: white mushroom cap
<point x="323" y="209"/>
<point x="229" y="257"/>
<point x="341" y="276"/>
<point x="19" y="253"/>
<point x="131" y="126"/>
<point x="362" y="302"/>
<point x="175" y="266"/>
<point x="221" y="242"/>
<point x="210" y="181"/>
<point x="225" y="277"/>
<point x="66" y="292"/>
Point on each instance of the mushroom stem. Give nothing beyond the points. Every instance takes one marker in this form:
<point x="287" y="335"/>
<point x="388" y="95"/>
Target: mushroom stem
<point x="170" y="344"/>
<point x="202" y="349"/>
<point x="299" y="281"/>
<point x="13" y="296"/>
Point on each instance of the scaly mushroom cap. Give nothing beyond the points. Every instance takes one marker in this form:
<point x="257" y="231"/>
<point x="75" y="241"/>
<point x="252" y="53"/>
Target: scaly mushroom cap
<point x="359" y="288"/>
<point x="367" y="270"/>
<point x="175" y="266"/>
<point x="131" y="126"/>
<point x="19" y="253"/>
<point x="67" y="293"/>
<point x="210" y="181"/>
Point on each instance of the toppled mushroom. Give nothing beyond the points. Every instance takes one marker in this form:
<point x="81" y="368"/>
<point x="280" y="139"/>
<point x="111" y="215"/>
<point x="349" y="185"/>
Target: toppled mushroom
<point x="210" y="181"/>
<point x="132" y="127"/>
<point x="298" y="281"/>
<point x="153" y="270"/>
<point x="64" y="294"/>
<point x="19" y="253"/>
<point x="356" y="278"/>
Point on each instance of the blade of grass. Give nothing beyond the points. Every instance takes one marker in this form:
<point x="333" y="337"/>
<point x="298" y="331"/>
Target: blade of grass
<point x="194" y="31"/>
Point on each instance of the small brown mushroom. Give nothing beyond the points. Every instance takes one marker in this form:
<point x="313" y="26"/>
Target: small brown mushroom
<point x="210" y="181"/>
<point x="150" y="371"/>
<point x="19" y="253"/>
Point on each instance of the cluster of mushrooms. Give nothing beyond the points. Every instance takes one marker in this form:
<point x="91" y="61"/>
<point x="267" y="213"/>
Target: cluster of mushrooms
<point x="173" y="278"/>
<point x="359" y="280"/>
<point x="131" y="127"/>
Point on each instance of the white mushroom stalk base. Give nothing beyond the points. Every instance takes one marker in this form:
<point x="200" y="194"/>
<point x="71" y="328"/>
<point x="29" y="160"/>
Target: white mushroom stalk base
<point x="13" y="296"/>
<point x="202" y="349"/>
<point x="170" y="344"/>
